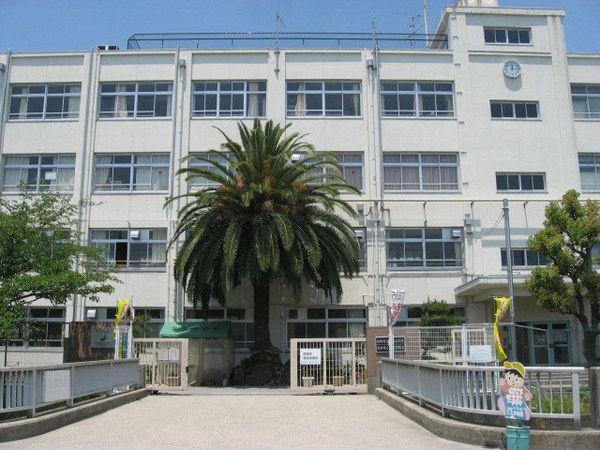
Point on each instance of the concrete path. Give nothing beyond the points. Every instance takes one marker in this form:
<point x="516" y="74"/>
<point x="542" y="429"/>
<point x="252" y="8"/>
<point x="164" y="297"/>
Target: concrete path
<point x="244" y="421"/>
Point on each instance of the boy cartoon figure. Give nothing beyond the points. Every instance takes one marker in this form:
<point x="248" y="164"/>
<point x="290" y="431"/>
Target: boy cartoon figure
<point x="513" y="402"/>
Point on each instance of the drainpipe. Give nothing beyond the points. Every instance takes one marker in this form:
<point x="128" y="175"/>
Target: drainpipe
<point x="4" y="91"/>
<point x="84" y="149"/>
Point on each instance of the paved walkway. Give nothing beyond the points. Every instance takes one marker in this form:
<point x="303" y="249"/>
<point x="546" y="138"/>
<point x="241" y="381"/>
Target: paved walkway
<point x="244" y="421"/>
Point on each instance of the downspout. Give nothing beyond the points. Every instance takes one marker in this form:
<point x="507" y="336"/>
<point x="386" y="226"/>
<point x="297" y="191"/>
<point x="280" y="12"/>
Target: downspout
<point x="81" y="233"/>
<point x="3" y="97"/>
<point x="178" y="144"/>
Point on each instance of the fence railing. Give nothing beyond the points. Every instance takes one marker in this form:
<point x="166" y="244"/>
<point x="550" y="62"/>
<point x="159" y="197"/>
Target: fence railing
<point x="30" y="388"/>
<point x="328" y="364"/>
<point x="475" y="389"/>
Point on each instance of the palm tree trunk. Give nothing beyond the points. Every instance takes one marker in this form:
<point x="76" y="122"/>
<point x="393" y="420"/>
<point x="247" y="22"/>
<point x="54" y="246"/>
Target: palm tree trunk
<point x="262" y="335"/>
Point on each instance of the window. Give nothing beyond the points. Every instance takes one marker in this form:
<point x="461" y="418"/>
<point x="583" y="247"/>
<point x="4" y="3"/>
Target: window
<point x="151" y="328"/>
<point x="132" y="249"/>
<point x="586" y="101"/>
<point x="323" y="98"/>
<point x="230" y="99"/>
<point x="44" y="101"/>
<point x="420" y="172"/>
<point x="523" y="257"/>
<point x="423" y="247"/>
<point x="351" y="165"/>
<point x="194" y="161"/>
<point x="241" y="322"/>
<point x="520" y="182"/>
<point x="589" y="171"/>
<point x="417" y="99"/>
<point x="131" y="100"/>
<point x="514" y="110"/>
<point x="507" y="35"/>
<point x="361" y="236"/>
<point x="39" y="173"/>
<point x="137" y="172"/>
<point x="43" y="328"/>
<point x="321" y="322"/>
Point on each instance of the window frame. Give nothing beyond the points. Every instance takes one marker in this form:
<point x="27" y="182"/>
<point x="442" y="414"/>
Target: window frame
<point x="361" y="236"/>
<point x="416" y="91"/>
<point x="513" y="104"/>
<point x="589" y="115"/>
<point x="40" y="167"/>
<point x="595" y="165"/>
<point x="132" y="165"/>
<point x="423" y="240"/>
<point x="520" y="176"/>
<point x="323" y="92"/>
<point x="245" y="92"/>
<point x="507" y="31"/>
<point x="135" y="94"/>
<point x="45" y="96"/>
<point x="344" y="165"/>
<point x="420" y="165"/>
<point x="193" y="184"/>
<point x="527" y="254"/>
<point x="102" y="242"/>
<point x="325" y="320"/>
<point x="24" y="340"/>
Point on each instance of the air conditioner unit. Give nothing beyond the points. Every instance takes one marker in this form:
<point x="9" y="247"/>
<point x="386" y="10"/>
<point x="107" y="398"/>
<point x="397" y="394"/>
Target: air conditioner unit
<point x="107" y="48"/>
<point x="456" y="234"/>
<point x="134" y="234"/>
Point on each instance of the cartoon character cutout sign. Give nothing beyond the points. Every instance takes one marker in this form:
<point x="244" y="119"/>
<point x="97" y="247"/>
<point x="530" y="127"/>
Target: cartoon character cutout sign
<point x="514" y="398"/>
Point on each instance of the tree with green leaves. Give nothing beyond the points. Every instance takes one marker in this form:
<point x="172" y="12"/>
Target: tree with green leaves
<point x="42" y="257"/>
<point x="268" y="214"/>
<point x="438" y="313"/>
<point x="570" y="283"/>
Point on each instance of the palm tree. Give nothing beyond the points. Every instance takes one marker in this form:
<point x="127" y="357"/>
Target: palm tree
<point x="267" y="214"/>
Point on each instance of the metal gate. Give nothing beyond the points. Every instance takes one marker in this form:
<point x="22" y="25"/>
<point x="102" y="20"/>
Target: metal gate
<point x="328" y="365"/>
<point x="164" y="362"/>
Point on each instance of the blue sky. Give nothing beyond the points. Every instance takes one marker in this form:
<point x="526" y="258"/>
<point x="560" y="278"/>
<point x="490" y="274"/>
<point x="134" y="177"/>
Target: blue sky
<point x="41" y="25"/>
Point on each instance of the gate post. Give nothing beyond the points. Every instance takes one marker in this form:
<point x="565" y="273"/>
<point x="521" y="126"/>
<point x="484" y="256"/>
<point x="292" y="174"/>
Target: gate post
<point x="324" y="382"/>
<point x="183" y="361"/>
<point x="293" y="363"/>
<point x="353" y="362"/>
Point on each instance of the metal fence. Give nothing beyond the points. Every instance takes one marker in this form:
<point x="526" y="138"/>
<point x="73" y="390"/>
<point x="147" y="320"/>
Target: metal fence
<point x="30" y="388"/>
<point x="464" y="344"/>
<point x="164" y="362"/>
<point x="557" y="391"/>
<point x="254" y="40"/>
<point x="333" y="364"/>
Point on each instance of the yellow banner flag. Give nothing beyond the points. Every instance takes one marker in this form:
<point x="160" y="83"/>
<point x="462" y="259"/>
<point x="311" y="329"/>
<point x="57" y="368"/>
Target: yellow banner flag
<point x="502" y="304"/>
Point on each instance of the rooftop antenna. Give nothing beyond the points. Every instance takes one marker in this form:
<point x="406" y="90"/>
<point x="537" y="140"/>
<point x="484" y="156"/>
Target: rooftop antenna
<point x="278" y="21"/>
<point x="425" y="18"/>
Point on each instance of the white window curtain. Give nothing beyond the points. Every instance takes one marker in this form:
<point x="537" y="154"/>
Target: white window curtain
<point x="300" y="108"/>
<point x="121" y="101"/>
<point x="253" y="100"/>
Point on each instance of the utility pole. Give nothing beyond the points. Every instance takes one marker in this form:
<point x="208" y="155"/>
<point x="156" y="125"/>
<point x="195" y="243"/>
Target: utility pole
<point x="509" y="272"/>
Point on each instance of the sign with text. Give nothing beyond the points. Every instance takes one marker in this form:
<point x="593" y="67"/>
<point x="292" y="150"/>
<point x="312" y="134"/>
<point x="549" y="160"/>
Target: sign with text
<point x="480" y="354"/>
<point x="310" y="356"/>
<point x="383" y="348"/>
<point x="57" y="385"/>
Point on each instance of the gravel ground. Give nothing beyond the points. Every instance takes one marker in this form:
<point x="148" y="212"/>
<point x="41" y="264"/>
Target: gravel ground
<point x="244" y="421"/>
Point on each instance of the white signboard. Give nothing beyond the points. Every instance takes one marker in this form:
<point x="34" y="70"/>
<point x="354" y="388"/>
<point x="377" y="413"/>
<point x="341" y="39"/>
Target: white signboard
<point x="56" y="385"/>
<point x="310" y="356"/>
<point x="480" y="353"/>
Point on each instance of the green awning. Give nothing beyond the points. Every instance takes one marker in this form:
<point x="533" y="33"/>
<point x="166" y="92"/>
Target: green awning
<point x="205" y="329"/>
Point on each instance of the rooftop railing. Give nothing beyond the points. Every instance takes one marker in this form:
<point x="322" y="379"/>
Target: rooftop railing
<point x="270" y="40"/>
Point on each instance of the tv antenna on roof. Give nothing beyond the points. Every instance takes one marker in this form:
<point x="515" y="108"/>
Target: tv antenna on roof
<point x="278" y="21"/>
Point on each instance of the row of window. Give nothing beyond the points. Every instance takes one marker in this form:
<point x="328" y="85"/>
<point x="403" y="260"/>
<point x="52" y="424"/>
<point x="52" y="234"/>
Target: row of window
<point x="150" y="173"/>
<point x="248" y="99"/>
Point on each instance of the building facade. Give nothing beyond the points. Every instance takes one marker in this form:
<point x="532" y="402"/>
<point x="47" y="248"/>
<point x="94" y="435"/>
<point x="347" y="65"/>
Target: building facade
<point x="434" y="137"/>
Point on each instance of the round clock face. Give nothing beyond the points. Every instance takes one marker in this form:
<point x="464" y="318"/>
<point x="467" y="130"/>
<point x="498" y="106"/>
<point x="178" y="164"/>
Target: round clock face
<point x="512" y="69"/>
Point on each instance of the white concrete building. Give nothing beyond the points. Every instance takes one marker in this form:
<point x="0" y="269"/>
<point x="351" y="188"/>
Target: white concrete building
<point x="435" y="137"/>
